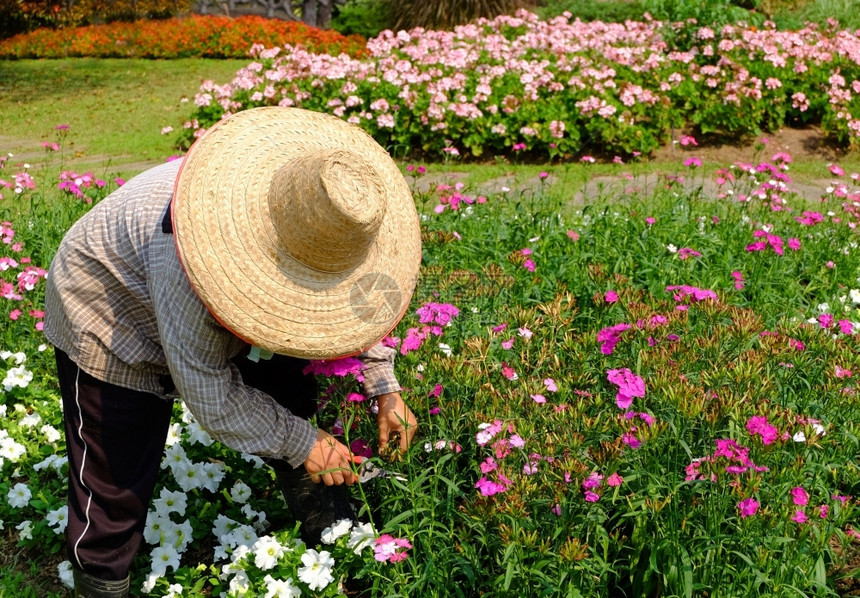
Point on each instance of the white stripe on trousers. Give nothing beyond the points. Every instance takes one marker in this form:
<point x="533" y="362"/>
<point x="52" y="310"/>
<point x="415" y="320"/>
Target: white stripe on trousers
<point x="81" y="473"/>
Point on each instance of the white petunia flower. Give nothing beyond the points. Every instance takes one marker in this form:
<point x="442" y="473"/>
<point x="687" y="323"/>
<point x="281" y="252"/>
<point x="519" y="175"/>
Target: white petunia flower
<point x="10" y="449"/>
<point x="170" y="502"/>
<point x="339" y="529"/>
<point x="58" y="519"/>
<point x="163" y="557"/>
<point x="189" y="475"/>
<point x="31" y="420"/>
<point x="267" y="551"/>
<point x="19" y="357"/>
<point x="446" y="349"/>
<point x="50" y="432"/>
<point x="196" y="434"/>
<point x="26" y="530"/>
<point x="281" y="588"/>
<point x="360" y="538"/>
<point x="240" y="492"/>
<point x="17" y="377"/>
<point x="156" y="524"/>
<point x="174" y="434"/>
<point x="317" y="569"/>
<point x="64" y="572"/>
<point x="174" y="591"/>
<point x="213" y="473"/>
<point x="19" y="495"/>
<point x="178" y="535"/>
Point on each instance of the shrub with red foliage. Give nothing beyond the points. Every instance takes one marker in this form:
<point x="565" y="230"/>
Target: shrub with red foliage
<point x="193" y="36"/>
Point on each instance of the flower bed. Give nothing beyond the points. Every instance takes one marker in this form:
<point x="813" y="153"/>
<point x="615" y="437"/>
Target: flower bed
<point x="649" y="394"/>
<point x="193" y="36"/>
<point x="559" y="88"/>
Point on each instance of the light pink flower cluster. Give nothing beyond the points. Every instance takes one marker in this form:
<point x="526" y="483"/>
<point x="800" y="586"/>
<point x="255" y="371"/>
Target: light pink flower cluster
<point x="75" y="184"/>
<point x="390" y="549"/>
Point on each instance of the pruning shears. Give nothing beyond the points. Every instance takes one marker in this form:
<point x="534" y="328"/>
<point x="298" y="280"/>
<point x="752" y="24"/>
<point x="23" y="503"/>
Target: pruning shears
<point x="368" y="470"/>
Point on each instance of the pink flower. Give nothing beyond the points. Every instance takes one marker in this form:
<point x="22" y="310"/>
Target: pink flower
<point x="355" y="397"/>
<point x="436" y="392"/>
<point x="591" y="496"/>
<point x="593" y="480"/>
<point x="835" y="169"/>
<point x="799" y="496"/>
<point x="846" y="327"/>
<point x="688" y="140"/>
<point x="823" y="511"/>
<point x="530" y="469"/>
<point x="610" y="296"/>
<point x="573" y="235"/>
<point x="508" y="343"/>
<point x="650" y="221"/>
<point x="487" y="487"/>
<point x="629" y="385"/>
<point x="524" y="332"/>
<point x="508" y="372"/>
<point x="842" y="372"/>
<point x="799" y="516"/>
<point x="758" y="425"/>
<point x="794" y="244"/>
<point x="390" y="549"/>
<point x="529" y="265"/>
<point x="488" y="465"/>
<point x="630" y="440"/>
<point x="739" y="280"/>
<point x="692" y="162"/>
<point x="517" y="441"/>
<point x="556" y="510"/>
<point x="686" y="252"/>
<point x="550" y="385"/>
<point x="609" y="337"/>
<point x="14" y="314"/>
<point x="748" y="507"/>
<point x="825" y="320"/>
<point x="538" y="398"/>
<point x="336" y="367"/>
<point x="614" y="480"/>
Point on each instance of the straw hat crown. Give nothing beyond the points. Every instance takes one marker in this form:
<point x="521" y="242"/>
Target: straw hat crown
<point x="297" y="231"/>
<point x="326" y="209"/>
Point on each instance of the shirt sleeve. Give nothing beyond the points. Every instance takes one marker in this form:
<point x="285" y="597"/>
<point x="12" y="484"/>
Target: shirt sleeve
<point x="378" y="372"/>
<point x="197" y="348"/>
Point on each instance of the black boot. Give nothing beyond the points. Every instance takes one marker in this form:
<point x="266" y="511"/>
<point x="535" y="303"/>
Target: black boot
<point x="317" y="506"/>
<point x="87" y="586"/>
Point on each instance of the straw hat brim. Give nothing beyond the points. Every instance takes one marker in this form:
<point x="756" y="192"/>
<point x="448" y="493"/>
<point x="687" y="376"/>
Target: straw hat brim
<point x="230" y="253"/>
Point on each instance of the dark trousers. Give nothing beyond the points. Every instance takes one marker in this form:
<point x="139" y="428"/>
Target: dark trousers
<point x="115" y="442"/>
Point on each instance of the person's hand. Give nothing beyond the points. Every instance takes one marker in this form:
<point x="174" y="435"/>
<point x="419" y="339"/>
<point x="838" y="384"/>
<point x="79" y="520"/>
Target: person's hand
<point x="394" y="417"/>
<point x="329" y="461"/>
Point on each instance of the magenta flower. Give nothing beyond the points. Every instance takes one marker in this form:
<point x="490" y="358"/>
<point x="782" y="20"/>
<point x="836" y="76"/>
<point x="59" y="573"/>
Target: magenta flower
<point x="825" y="320"/>
<point x="593" y="480"/>
<point x="688" y="140"/>
<point x="650" y="220"/>
<point x="609" y="337"/>
<point x="758" y="425"/>
<point x="489" y="465"/>
<point x="355" y="397"/>
<point x="739" y="279"/>
<point x="630" y="440"/>
<point x="823" y="511"/>
<point x="437" y="313"/>
<point x="846" y="327"/>
<point x="335" y="367"/>
<point x="529" y="265"/>
<point x="629" y="385"/>
<point x="610" y="296"/>
<point x="836" y="170"/>
<point x="799" y="516"/>
<point x="748" y="507"/>
<point x="591" y="496"/>
<point x="692" y="162"/>
<point x="686" y="252"/>
<point x="799" y="496"/>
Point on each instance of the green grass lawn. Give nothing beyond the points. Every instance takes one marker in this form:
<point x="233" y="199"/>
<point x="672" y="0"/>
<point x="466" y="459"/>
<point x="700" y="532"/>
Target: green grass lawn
<point x="115" y="108"/>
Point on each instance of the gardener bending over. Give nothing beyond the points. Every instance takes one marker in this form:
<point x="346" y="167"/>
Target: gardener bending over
<point x="283" y="234"/>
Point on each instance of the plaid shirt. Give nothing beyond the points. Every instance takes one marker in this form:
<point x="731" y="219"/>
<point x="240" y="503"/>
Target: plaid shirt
<point x="120" y="305"/>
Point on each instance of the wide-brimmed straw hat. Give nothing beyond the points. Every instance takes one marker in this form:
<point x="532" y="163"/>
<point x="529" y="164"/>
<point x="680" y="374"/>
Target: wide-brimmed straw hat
<point x="297" y="231"/>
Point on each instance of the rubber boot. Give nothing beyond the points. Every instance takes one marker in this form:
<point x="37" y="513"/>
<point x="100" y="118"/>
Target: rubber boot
<point x="317" y="506"/>
<point x="87" y="586"/>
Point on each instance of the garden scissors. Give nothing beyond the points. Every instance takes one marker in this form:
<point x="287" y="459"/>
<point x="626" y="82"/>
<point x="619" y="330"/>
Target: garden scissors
<point x="367" y="471"/>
